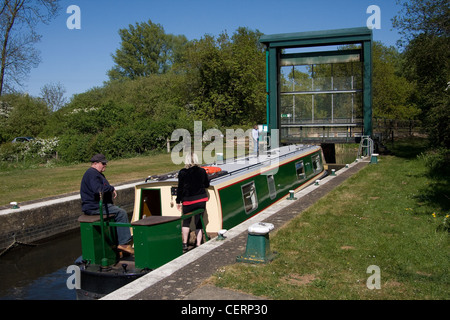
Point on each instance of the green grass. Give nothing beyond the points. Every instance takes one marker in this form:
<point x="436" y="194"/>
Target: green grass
<point x="381" y="216"/>
<point x="26" y="181"/>
<point x="23" y="184"/>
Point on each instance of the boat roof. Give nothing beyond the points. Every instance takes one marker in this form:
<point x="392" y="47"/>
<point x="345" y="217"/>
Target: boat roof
<point x="230" y="168"/>
<point x="260" y="163"/>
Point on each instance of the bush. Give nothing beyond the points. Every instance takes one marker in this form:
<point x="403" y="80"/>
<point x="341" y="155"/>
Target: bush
<point x="436" y="161"/>
<point x="74" y="147"/>
<point x="35" y="151"/>
<point x="10" y="151"/>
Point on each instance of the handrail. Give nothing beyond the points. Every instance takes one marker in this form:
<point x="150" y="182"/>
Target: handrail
<point x="362" y="146"/>
<point x="183" y="217"/>
<point x="102" y="230"/>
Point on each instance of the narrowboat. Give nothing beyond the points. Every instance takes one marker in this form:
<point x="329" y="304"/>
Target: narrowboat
<point x="239" y="189"/>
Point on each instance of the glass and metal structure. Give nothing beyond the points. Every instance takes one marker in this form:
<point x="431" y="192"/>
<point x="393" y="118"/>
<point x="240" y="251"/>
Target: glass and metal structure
<point x="319" y="85"/>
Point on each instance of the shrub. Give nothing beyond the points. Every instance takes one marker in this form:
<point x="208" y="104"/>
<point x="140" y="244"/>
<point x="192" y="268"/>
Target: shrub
<point x="35" y="151"/>
<point x="74" y="148"/>
<point x="436" y="161"/>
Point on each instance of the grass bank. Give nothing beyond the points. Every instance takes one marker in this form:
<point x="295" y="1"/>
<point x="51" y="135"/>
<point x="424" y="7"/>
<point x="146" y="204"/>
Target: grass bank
<point x="25" y="181"/>
<point x="23" y="184"/>
<point x="388" y="215"/>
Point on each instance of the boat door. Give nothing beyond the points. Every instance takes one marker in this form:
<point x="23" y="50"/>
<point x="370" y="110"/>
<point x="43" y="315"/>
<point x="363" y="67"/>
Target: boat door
<point x="150" y="203"/>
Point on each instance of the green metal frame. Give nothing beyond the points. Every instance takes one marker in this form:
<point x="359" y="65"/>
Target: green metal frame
<point x="98" y="241"/>
<point x="275" y="44"/>
<point x="158" y="244"/>
<point x="154" y="244"/>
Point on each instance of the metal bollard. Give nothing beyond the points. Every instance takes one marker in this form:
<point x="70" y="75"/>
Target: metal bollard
<point x="258" y="244"/>
<point x="291" y="195"/>
<point x="374" y="158"/>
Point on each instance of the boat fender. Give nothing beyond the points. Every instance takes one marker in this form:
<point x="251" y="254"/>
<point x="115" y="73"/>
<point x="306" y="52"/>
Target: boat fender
<point x="212" y="170"/>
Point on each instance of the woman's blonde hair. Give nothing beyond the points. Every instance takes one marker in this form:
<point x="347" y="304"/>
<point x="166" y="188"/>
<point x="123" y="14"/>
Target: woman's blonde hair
<point x="190" y="160"/>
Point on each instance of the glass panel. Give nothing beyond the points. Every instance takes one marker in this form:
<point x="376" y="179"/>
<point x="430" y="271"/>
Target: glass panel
<point x="357" y="75"/>
<point x="358" y="106"/>
<point x="271" y="185"/>
<point x="303" y="78"/>
<point x="286" y="110"/>
<point x="322" y="77"/>
<point x="322" y="107"/>
<point x="304" y="105"/>
<point x="343" y="106"/>
<point x="286" y="79"/>
<point x="249" y="196"/>
<point x="299" y="167"/>
<point x="316" y="163"/>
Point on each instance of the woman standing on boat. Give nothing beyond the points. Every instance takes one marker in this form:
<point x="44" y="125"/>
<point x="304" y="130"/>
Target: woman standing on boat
<point x="191" y="195"/>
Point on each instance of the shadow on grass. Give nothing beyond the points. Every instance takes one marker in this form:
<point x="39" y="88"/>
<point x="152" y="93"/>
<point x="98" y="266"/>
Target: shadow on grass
<point x="408" y="148"/>
<point x="436" y="195"/>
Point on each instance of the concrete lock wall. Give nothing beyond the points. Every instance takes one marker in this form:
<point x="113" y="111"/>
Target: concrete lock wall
<point x="36" y="221"/>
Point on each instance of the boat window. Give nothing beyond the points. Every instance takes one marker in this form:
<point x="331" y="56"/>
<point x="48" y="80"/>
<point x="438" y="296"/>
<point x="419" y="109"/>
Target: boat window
<point x="271" y="185"/>
<point x="300" y="168"/>
<point x="317" y="166"/>
<point x="249" y="196"/>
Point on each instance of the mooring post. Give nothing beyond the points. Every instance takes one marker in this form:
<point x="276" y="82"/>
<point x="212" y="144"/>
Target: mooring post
<point x="258" y="244"/>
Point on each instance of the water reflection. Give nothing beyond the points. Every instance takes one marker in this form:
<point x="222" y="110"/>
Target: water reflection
<point x="346" y="153"/>
<point x="39" y="273"/>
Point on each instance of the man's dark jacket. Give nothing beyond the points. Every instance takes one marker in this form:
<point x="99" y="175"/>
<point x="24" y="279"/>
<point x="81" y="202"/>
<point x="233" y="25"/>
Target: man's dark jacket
<point x="92" y="184"/>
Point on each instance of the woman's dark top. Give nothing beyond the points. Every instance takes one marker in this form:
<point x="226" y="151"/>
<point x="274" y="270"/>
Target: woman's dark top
<point x="191" y="184"/>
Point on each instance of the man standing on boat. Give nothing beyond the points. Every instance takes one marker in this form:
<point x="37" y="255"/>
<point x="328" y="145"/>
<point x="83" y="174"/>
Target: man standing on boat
<point x="94" y="183"/>
<point x="192" y="195"/>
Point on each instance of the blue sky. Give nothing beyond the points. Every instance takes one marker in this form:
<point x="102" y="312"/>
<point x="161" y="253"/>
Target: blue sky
<point x="80" y="59"/>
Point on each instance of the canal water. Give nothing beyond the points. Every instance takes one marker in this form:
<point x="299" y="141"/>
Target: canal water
<point x="346" y="153"/>
<point x="39" y="272"/>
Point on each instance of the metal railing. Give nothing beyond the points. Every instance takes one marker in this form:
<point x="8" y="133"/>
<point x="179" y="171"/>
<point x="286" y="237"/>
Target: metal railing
<point x="365" y="147"/>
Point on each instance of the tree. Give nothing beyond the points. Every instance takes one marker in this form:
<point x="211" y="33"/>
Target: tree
<point x="145" y="49"/>
<point x="391" y="91"/>
<point x="18" y="21"/>
<point x="430" y="17"/>
<point x="425" y="27"/>
<point x="226" y="78"/>
<point x="27" y="117"/>
<point x="53" y="95"/>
